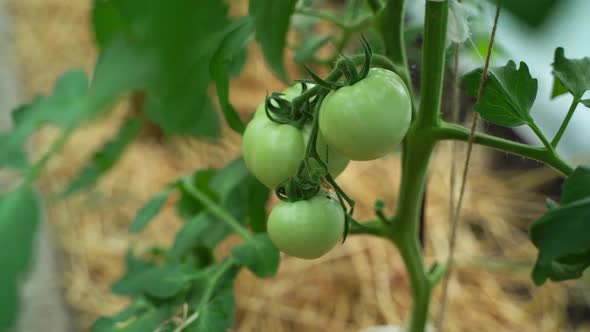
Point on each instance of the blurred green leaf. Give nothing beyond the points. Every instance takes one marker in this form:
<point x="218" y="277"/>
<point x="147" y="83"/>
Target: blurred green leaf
<point x="309" y="47"/>
<point x="217" y="315"/>
<point x="19" y="217"/>
<point x="66" y="106"/>
<point x="562" y="235"/>
<point x="140" y="316"/>
<point x="149" y="210"/>
<point x="508" y="94"/>
<point x="585" y="102"/>
<point x="159" y="281"/>
<point x="199" y="231"/>
<point x="236" y="39"/>
<point x="271" y="19"/>
<point x="104" y="159"/>
<point x="242" y="194"/>
<point x="188" y="206"/>
<point x="259" y="255"/>
<point x="173" y="43"/>
<point x="234" y="188"/>
<point x="571" y="75"/>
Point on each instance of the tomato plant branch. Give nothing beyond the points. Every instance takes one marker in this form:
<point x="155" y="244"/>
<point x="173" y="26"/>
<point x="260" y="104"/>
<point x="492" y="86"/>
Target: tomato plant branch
<point x="215" y="209"/>
<point x="565" y="123"/>
<point x="418" y="147"/>
<point x="391" y="23"/>
<point x="371" y="227"/>
<point x="458" y="132"/>
<point x="542" y="137"/>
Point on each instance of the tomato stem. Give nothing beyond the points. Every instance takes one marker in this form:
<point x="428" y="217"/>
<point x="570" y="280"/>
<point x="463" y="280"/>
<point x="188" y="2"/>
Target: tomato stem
<point x="565" y="122"/>
<point x="447" y="131"/>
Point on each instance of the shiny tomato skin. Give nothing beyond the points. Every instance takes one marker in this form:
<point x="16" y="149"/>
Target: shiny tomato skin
<point x="307" y="229"/>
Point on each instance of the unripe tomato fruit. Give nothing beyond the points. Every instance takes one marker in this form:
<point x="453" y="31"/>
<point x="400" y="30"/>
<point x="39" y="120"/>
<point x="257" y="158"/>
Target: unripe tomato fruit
<point x="368" y="119"/>
<point x="273" y="151"/>
<point x="306" y="229"/>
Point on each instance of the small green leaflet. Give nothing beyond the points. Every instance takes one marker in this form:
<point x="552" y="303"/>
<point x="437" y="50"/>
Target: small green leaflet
<point x="104" y="159"/>
<point x="242" y="194"/>
<point x="187" y="205"/>
<point x="162" y="282"/>
<point x="217" y="315"/>
<point x="149" y="210"/>
<point x="258" y="254"/>
<point x="571" y="75"/>
<point x="140" y="316"/>
<point x="66" y="106"/>
<point x="200" y="231"/>
<point x="19" y="217"/>
<point x="508" y="94"/>
<point x="309" y="47"/>
<point x="233" y="188"/>
<point x="271" y="19"/>
<point x="237" y="38"/>
<point x="562" y="235"/>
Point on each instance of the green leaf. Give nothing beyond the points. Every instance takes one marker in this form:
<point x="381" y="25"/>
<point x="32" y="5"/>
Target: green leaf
<point x="531" y="12"/>
<point x="159" y="281"/>
<point x="149" y="211"/>
<point x="19" y="216"/>
<point x="271" y="19"/>
<point x="140" y="316"/>
<point x="66" y="106"/>
<point x="562" y="235"/>
<point x="234" y="188"/>
<point x="241" y="193"/>
<point x="104" y="159"/>
<point x="571" y="74"/>
<point x="585" y="102"/>
<point x="173" y="42"/>
<point x="237" y="38"/>
<point x="187" y="206"/>
<point x="200" y="231"/>
<point x="217" y="315"/>
<point x="258" y="254"/>
<point x="508" y="94"/>
<point x="309" y="47"/>
<point x="577" y="186"/>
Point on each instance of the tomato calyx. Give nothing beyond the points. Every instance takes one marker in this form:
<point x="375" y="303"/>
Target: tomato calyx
<point x="348" y="67"/>
<point x="280" y="110"/>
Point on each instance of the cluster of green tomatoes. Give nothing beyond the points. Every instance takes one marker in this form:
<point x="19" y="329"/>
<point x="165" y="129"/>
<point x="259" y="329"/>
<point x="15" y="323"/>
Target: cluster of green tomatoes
<point x="364" y="119"/>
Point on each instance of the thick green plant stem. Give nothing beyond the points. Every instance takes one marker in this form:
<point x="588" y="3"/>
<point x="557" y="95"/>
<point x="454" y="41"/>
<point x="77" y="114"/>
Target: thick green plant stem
<point x="391" y="25"/>
<point x="418" y="147"/>
<point x="406" y="224"/>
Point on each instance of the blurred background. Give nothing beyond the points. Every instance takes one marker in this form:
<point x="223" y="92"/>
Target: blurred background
<point x="83" y="239"/>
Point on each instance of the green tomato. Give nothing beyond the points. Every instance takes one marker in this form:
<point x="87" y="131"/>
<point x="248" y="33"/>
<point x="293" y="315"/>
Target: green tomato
<point x="369" y="119"/>
<point x="306" y="229"/>
<point x="273" y="151"/>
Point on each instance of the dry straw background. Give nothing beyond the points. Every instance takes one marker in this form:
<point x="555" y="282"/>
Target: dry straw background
<point x="360" y="284"/>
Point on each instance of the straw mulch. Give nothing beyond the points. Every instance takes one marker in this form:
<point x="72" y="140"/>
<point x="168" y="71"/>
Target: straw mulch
<point x="359" y="284"/>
